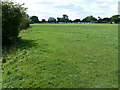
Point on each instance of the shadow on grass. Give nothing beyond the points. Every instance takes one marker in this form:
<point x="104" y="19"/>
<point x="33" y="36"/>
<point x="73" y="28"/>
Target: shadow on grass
<point x="18" y="44"/>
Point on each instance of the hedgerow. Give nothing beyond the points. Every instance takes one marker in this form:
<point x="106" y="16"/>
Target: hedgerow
<point x="13" y="18"/>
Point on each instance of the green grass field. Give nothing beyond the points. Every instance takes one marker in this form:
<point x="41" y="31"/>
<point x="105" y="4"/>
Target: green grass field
<point x="63" y="56"/>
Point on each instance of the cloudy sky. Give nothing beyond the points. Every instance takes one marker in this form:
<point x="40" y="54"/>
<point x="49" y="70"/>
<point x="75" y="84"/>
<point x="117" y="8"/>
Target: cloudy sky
<point x="75" y="9"/>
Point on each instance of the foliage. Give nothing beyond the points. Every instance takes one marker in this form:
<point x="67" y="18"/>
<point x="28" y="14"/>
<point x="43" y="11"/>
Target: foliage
<point x="116" y="18"/>
<point x="63" y="19"/>
<point x="99" y="20"/>
<point x="12" y="14"/>
<point x="89" y="19"/>
<point x="51" y="20"/>
<point x="70" y="21"/>
<point x="25" y="22"/>
<point x="60" y="20"/>
<point x="43" y="21"/>
<point x="34" y="19"/>
<point x="77" y="20"/>
<point x="106" y="20"/>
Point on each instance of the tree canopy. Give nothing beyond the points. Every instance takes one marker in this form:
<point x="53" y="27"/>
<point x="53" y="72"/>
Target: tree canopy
<point x="43" y="21"/>
<point x="115" y="18"/>
<point x="34" y="19"/>
<point x="51" y="20"/>
<point x="89" y="19"/>
<point x="77" y="20"/>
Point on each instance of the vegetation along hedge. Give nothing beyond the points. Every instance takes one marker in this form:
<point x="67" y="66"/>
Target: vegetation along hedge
<point x="13" y="15"/>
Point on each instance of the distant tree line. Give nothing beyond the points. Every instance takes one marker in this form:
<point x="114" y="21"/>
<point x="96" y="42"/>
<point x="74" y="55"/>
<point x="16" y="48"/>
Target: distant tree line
<point x="88" y="19"/>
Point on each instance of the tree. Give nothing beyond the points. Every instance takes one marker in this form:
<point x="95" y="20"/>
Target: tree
<point x="12" y="14"/>
<point x="115" y="18"/>
<point x="43" y="21"/>
<point x="51" y="20"/>
<point x="70" y="21"/>
<point x="106" y="20"/>
<point x="34" y="19"/>
<point x="60" y="19"/>
<point x="65" y="18"/>
<point x="89" y="19"/>
<point x="99" y="20"/>
<point x="77" y="20"/>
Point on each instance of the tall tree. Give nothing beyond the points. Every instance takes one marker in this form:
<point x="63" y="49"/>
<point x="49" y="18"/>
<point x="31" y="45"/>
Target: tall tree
<point x="65" y="18"/>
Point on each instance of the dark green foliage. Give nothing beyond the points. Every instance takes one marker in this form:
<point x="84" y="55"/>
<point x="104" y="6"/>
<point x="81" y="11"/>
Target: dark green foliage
<point x="99" y="20"/>
<point x="60" y="20"/>
<point x="77" y="20"/>
<point x="63" y="19"/>
<point x="51" y="20"/>
<point x="43" y="21"/>
<point x="25" y="22"/>
<point x="34" y="19"/>
<point x="116" y="18"/>
<point x="106" y="20"/>
<point x="70" y="21"/>
<point x="12" y="15"/>
<point x="89" y="19"/>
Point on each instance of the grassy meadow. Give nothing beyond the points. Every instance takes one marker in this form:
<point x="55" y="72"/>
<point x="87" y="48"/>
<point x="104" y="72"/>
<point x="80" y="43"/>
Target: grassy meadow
<point x="63" y="56"/>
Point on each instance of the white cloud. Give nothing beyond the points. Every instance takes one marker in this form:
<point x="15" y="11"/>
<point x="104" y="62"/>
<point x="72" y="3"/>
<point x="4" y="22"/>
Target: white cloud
<point x="73" y="8"/>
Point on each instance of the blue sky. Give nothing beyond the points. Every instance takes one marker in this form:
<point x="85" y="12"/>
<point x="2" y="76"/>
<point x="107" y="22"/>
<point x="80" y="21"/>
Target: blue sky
<point x="75" y="9"/>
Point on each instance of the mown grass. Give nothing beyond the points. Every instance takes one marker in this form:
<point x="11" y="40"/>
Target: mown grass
<point x="64" y="56"/>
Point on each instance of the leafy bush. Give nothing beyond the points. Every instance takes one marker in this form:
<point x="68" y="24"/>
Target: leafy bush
<point x="25" y="22"/>
<point x="12" y="17"/>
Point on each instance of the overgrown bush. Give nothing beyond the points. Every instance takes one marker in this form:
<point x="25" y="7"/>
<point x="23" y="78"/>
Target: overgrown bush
<point x="12" y="17"/>
<point x="25" y="22"/>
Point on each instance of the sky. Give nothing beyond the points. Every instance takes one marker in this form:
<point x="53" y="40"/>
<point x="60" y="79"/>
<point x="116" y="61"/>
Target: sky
<point x="75" y="9"/>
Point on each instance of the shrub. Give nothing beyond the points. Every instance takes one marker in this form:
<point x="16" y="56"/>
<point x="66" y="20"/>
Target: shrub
<point x="12" y="15"/>
<point x="25" y="22"/>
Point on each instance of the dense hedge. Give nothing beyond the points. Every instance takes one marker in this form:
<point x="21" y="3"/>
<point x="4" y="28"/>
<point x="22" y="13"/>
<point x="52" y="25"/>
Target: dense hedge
<point x="25" y="22"/>
<point x="12" y="20"/>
